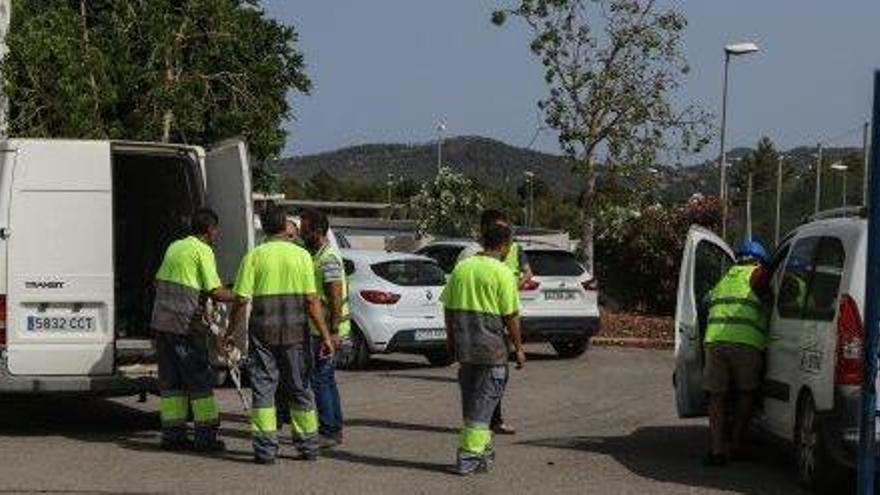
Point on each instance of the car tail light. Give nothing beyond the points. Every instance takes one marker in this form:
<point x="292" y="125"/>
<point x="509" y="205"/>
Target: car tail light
<point x="380" y="297"/>
<point x="2" y="320"/>
<point x="530" y="285"/>
<point x="591" y="285"/>
<point x="850" y="343"/>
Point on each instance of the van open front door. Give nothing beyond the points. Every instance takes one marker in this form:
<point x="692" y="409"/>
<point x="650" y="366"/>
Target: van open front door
<point x="228" y="174"/>
<point x="705" y="261"/>
<point x="60" y="259"/>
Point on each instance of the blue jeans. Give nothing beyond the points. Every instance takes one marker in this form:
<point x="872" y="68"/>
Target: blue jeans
<point x="326" y="393"/>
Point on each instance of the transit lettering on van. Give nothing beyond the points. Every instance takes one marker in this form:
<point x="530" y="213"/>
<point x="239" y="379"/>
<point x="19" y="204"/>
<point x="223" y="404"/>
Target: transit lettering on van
<point x="43" y="285"/>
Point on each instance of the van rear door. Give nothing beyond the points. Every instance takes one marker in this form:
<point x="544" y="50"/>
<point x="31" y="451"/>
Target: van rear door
<point x="228" y="176"/>
<point x="705" y="261"/>
<point x="60" y="259"/>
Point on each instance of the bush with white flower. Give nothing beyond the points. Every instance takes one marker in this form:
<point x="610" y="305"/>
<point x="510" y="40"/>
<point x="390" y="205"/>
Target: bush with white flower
<point x="448" y="206"/>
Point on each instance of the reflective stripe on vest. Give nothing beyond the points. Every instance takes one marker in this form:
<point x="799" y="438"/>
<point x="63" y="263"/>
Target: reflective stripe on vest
<point x="736" y="313"/>
<point x="327" y="253"/>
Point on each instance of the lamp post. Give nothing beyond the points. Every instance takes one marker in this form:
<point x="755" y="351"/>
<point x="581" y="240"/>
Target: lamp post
<point x="779" y="196"/>
<point x="732" y="50"/>
<point x="840" y="167"/>
<point x="530" y="179"/>
<point x="440" y="128"/>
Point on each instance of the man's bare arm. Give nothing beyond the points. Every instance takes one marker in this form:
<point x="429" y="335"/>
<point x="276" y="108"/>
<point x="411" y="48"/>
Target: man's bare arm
<point x="514" y="331"/>
<point x="316" y="317"/>
<point x="334" y="291"/>
<point x="223" y="295"/>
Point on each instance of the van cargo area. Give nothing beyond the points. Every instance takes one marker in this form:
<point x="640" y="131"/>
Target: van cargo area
<point x="154" y="197"/>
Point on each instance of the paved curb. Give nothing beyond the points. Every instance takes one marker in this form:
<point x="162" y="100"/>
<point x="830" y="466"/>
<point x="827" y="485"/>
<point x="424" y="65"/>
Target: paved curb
<point x="640" y="343"/>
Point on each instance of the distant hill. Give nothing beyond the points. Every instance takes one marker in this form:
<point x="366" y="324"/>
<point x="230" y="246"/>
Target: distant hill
<point x="487" y="160"/>
<point x="499" y="164"/>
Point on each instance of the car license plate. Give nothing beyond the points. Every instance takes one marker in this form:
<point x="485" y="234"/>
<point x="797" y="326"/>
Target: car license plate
<point x="559" y="295"/>
<point x="61" y="323"/>
<point x="434" y="334"/>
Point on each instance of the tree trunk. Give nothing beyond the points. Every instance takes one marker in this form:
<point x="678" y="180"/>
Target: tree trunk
<point x="168" y="115"/>
<point x="588" y="211"/>
<point x="83" y="10"/>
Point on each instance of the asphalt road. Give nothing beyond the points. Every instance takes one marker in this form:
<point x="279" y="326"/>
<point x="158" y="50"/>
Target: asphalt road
<point x="604" y="423"/>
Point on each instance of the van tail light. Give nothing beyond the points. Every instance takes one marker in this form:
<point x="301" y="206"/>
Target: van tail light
<point x="591" y="285"/>
<point x="850" y="343"/>
<point x="2" y="320"/>
<point x="380" y="297"/>
<point x="530" y="285"/>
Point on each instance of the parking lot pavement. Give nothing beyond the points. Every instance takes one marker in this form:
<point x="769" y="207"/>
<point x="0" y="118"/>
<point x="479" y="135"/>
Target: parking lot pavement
<point x="604" y="423"/>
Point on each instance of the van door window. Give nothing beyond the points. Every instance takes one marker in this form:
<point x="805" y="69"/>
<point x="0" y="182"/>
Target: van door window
<point x="795" y="282"/>
<point x="711" y="263"/>
<point x="821" y="302"/>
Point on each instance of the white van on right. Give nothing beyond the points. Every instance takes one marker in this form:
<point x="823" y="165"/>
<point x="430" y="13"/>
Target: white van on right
<point x="811" y="392"/>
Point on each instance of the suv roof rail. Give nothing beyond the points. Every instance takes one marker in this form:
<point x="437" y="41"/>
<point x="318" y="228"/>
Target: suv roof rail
<point x="846" y="212"/>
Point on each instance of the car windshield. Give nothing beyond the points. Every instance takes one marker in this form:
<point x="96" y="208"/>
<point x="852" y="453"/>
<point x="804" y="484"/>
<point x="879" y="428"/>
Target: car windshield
<point x="411" y="273"/>
<point x="552" y="263"/>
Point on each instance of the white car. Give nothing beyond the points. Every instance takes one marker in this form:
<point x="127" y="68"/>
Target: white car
<point x="560" y="304"/>
<point x="811" y="391"/>
<point x="395" y="306"/>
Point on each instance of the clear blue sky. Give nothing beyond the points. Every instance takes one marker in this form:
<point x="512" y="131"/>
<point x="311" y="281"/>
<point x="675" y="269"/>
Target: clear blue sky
<point x="386" y="70"/>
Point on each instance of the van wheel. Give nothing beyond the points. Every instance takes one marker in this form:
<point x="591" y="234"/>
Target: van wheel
<point x="571" y="348"/>
<point x="817" y="469"/>
<point x="357" y="357"/>
<point x="440" y="359"/>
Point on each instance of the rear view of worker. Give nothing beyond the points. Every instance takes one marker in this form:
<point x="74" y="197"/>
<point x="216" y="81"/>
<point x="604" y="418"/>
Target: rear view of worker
<point x="736" y="337"/>
<point x="278" y="279"/>
<point x="333" y="291"/>
<point x="481" y="300"/>
<point x="186" y="278"/>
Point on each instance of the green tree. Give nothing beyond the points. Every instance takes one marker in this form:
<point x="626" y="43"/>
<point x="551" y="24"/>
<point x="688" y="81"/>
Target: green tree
<point x="191" y="71"/>
<point x="611" y="67"/>
<point x="448" y="206"/>
<point x="761" y="166"/>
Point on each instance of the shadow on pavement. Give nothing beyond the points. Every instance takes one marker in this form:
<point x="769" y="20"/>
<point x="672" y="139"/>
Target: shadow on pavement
<point x="368" y="460"/>
<point x="389" y="364"/>
<point x="85" y="418"/>
<point x="395" y="425"/>
<point x="426" y="378"/>
<point x="673" y="455"/>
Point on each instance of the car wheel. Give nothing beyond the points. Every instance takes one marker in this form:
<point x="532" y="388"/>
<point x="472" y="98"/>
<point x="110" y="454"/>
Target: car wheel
<point x="439" y="358"/>
<point x="817" y="469"/>
<point x="571" y="348"/>
<point x="357" y="357"/>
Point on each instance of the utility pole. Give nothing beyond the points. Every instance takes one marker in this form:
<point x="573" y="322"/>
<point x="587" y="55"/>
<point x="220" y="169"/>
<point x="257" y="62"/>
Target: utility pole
<point x="440" y="128"/>
<point x="867" y="162"/>
<point x="749" y="208"/>
<point x="778" y="198"/>
<point x="722" y="193"/>
<point x="818" y="178"/>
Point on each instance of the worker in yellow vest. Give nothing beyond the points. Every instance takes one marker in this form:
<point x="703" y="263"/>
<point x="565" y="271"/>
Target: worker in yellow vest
<point x="278" y="279"/>
<point x="481" y="306"/>
<point x="518" y="262"/>
<point x="736" y="337"/>
<point x="186" y="279"/>
<point x="333" y="291"/>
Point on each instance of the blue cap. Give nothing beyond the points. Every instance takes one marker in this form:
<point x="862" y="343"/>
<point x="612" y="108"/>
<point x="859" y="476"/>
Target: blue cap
<point x="750" y="248"/>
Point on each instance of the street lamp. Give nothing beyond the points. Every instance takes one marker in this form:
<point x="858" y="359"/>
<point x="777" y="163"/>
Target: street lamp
<point x="779" y="161"/>
<point x="840" y="167"/>
<point x="441" y="126"/>
<point x="530" y="178"/>
<point x="731" y="50"/>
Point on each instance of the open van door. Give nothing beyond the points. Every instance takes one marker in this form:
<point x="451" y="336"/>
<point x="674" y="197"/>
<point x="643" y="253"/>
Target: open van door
<point x="60" y="259"/>
<point x="228" y="177"/>
<point x="705" y="261"/>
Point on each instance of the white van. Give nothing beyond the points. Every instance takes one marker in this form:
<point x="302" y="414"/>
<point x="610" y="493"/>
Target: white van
<point x="811" y="391"/>
<point x="83" y="228"/>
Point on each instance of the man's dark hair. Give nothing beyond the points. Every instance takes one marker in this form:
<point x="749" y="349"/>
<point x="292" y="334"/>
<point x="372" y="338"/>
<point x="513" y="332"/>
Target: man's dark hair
<point x="494" y="236"/>
<point x="491" y="216"/>
<point x="317" y="221"/>
<point x="203" y="220"/>
<point x="274" y="220"/>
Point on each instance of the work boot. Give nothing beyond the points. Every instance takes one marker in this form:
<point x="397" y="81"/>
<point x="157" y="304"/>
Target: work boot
<point x="487" y="461"/>
<point x="328" y="442"/>
<point x="503" y="429"/>
<point x="468" y="464"/>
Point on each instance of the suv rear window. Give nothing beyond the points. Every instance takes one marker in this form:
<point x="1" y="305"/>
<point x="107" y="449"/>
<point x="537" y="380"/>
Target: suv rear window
<point x="554" y="264"/>
<point x="411" y="273"/>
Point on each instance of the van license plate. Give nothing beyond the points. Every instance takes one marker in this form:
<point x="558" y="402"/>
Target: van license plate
<point x="559" y="295"/>
<point x="438" y="334"/>
<point x="65" y="323"/>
